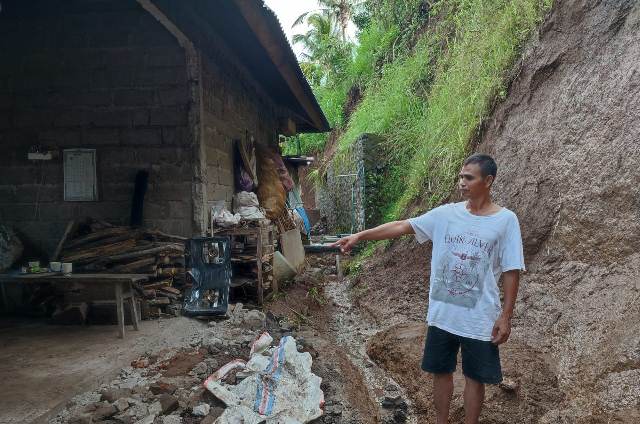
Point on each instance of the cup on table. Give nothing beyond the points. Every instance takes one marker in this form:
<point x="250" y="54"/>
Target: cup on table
<point x="34" y="266"/>
<point x="55" y="266"/>
<point x="67" y="268"/>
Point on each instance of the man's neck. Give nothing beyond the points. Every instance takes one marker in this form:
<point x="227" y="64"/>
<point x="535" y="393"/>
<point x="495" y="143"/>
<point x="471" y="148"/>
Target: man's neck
<point x="480" y="205"/>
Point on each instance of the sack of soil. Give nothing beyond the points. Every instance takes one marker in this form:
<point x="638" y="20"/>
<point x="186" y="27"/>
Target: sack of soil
<point x="278" y="387"/>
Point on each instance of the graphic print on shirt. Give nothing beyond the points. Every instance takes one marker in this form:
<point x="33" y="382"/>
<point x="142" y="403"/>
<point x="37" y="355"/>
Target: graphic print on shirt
<point x="462" y="268"/>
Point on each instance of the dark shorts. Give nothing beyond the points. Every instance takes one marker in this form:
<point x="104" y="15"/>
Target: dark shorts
<point x="480" y="359"/>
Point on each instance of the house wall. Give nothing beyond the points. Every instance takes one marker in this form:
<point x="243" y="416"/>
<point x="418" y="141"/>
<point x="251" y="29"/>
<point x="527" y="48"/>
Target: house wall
<point x="95" y="74"/>
<point x="233" y="109"/>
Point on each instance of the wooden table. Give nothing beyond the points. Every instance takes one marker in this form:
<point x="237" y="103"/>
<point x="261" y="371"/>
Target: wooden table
<point x="122" y="284"/>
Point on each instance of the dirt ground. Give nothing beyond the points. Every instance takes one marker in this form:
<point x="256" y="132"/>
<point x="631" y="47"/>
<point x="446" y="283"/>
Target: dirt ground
<point x="46" y="365"/>
<point x="366" y="350"/>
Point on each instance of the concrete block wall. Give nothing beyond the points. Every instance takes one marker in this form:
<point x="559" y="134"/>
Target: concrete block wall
<point x="91" y="74"/>
<point x="349" y="198"/>
<point x="233" y="109"/>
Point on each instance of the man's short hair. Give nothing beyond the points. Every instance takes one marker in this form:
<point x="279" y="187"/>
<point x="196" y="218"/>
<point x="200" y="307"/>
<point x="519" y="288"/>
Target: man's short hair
<point x="485" y="162"/>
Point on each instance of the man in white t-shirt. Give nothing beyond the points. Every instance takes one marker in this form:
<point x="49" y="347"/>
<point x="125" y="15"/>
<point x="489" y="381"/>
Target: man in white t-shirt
<point x="474" y="243"/>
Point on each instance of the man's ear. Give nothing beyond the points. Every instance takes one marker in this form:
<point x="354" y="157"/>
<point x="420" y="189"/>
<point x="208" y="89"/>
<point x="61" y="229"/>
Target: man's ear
<point x="488" y="180"/>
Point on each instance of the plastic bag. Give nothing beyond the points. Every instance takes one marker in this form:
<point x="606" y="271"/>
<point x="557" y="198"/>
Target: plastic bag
<point x="224" y="218"/>
<point x="261" y="343"/>
<point x="246" y="205"/>
<point x="244" y="199"/>
<point x="278" y="389"/>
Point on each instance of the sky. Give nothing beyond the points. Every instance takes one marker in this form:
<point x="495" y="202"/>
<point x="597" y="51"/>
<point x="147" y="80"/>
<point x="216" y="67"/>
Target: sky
<point x="288" y="11"/>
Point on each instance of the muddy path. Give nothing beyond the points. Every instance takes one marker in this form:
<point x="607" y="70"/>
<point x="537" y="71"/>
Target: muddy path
<point x="357" y="390"/>
<point x="369" y="361"/>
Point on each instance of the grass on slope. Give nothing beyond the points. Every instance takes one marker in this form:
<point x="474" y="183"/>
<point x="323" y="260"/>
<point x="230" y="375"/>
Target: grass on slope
<point x="430" y="104"/>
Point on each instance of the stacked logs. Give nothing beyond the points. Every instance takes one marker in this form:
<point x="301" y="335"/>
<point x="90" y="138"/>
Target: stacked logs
<point x="97" y="246"/>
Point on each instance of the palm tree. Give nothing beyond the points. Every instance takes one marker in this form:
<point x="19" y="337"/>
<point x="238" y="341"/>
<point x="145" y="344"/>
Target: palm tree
<point x="324" y="52"/>
<point x="321" y="30"/>
<point x="340" y="11"/>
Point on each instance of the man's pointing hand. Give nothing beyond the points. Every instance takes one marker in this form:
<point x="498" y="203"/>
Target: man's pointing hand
<point x="346" y="243"/>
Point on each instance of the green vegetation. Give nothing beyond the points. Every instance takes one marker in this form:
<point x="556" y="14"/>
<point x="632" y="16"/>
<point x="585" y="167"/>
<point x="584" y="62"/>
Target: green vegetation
<point x="429" y="73"/>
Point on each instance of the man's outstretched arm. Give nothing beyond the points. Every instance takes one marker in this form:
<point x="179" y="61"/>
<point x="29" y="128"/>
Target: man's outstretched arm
<point x="381" y="232"/>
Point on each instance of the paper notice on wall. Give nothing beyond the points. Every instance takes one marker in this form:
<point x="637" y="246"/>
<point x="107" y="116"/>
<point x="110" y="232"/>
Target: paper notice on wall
<point x="80" y="175"/>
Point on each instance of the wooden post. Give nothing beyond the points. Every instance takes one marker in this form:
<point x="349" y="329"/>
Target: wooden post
<point x="134" y="308"/>
<point x="70" y="227"/>
<point x="120" y="309"/>
<point x="272" y="252"/>
<point x="259" y="263"/>
<point x="338" y="267"/>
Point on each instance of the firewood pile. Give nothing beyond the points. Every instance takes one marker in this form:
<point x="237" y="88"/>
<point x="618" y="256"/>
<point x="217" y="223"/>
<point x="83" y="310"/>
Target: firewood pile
<point x="97" y="246"/>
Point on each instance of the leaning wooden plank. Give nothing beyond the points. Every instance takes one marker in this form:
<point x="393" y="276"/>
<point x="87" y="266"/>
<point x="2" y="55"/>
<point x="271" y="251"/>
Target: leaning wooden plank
<point x="161" y="293"/>
<point x="132" y="266"/>
<point x="156" y="284"/>
<point x="123" y="243"/>
<point x="96" y="235"/>
<point x="89" y="255"/>
<point x="171" y="290"/>
<point x="141" y="253"/>
<point x="130" y="235"/>
<point x="156" y="234"/>
<point x="71" y="226"/>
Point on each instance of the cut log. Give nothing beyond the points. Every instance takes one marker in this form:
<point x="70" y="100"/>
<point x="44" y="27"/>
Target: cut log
<point x="135" y="265"/>
<point x="159" y="301"/>
<point x="149" y="294"/>
<point x="96" y="235"/>
<point x="89" y="255"/>
<point x="160" y="236"/>
<point x="130" y="235"/>
<point x="171" y="290"/>
<point x="168" y="272"/>
<point x="156" y="284"/>
<point x="146" y="252"/>
<point x="161" y="293"/>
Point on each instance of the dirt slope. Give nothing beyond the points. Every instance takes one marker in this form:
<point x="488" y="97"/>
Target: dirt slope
<point x="567" y="142"/>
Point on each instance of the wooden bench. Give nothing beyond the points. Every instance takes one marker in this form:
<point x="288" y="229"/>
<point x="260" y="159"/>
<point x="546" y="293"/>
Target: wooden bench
<point x="122" y="285"/>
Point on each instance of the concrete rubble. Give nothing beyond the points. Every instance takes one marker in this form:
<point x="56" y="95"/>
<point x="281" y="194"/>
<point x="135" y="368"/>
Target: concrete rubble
<point x="168" y="387"/>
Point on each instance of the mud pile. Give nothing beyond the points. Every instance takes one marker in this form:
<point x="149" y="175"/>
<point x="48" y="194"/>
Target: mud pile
<point x="567" y="142"/>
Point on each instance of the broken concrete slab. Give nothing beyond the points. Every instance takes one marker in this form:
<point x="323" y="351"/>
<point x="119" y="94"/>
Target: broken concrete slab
<point x="254" y="319"/>
<point x="201" y="410"/>
<point x="160" y="387"/>
<point x="111" y="395"/>
<point x="168" y="403"/>
<point x="121" y="404"/>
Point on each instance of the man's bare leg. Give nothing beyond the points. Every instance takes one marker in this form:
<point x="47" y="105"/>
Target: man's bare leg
<point x="473" y="398"/>
<point x="442" y="392"/>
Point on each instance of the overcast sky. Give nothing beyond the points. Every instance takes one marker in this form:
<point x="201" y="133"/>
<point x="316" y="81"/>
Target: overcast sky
<point x="288" y="11"/>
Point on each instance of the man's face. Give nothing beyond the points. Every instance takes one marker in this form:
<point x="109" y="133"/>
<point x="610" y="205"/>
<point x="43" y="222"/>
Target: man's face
<point x="471" y="183"/>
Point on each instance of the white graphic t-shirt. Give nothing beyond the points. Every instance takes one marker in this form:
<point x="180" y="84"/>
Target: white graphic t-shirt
<point x="469" y="254"/>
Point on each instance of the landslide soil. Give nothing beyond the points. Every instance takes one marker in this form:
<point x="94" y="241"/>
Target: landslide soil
<point x="566" y="140"/>
<point x="304" y="309"/>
